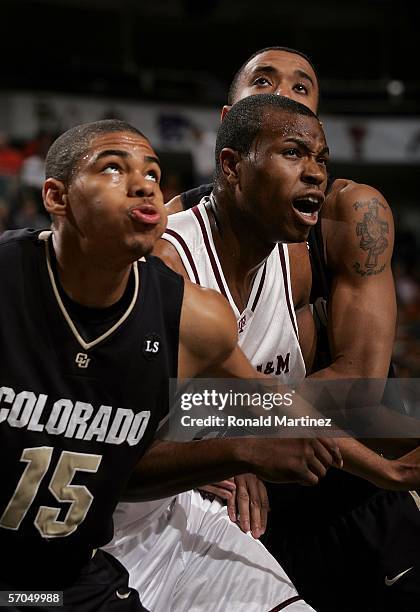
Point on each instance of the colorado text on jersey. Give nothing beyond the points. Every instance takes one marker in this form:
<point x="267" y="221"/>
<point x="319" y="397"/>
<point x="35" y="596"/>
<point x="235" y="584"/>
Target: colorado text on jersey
<point x="77" y="419"/>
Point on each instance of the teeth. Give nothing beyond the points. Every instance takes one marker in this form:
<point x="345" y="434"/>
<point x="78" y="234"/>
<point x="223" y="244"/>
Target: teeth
<point x="308" y="199"/>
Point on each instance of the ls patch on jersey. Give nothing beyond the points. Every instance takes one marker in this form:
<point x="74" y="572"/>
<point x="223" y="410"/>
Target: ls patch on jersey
<point x="151" y="345"/>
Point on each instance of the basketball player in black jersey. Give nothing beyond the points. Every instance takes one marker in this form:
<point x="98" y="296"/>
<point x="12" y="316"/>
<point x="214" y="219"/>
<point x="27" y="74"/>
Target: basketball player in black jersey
<point x="91" y="329"/>
<point x="350" y="252"/>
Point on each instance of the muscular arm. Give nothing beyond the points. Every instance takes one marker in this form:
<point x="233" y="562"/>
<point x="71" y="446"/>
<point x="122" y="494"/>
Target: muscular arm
<point x="358" y="295"/>
<point x="358" y="231"/>
<point x="168" y="468"/>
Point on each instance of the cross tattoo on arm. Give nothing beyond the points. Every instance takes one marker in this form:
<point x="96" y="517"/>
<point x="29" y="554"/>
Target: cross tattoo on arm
<point x="372" y="232"/>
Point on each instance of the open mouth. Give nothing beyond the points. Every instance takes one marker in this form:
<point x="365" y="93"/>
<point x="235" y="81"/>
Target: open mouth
<point x="308" y="205"/>
<point x="307" y="208"/>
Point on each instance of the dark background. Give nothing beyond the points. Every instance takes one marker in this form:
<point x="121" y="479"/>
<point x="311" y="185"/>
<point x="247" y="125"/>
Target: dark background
<point x="188" y="50"/>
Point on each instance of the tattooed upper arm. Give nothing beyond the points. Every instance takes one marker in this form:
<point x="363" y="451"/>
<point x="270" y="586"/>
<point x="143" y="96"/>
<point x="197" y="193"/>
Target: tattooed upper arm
<point x="359" y="232"/>
<point x="373" y="232"/>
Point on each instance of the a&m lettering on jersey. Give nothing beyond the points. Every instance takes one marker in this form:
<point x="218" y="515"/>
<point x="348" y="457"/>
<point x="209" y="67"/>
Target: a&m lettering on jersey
<point x="241" y="323"/>
<point x="281" y="365"/>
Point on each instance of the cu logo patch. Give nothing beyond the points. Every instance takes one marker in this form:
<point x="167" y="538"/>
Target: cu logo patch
<point x="82" y="360"/>
<point x="151" y="346"/>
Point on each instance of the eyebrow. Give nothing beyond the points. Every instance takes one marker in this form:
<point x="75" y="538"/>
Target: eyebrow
<point x="304" y="144"/>
<point x="152" y="159"/>
<point x="263" y="68"/>
<point x="120" y="153"/>
<point x="272" y="70"/>
<point x="304" y="75"/>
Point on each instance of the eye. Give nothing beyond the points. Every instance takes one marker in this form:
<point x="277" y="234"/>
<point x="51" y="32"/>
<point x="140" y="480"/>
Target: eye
<point x="152" y="175"/>
<point x="261" y="81"/>
<point x="323" y="161"/>
<point x="292" y="152"/>
<point x="111" y="168"/>
<point x="301" y="88"/>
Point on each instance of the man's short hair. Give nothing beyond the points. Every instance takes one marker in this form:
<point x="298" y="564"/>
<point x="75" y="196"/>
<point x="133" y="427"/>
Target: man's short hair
<point x="234" y="84"/>
<point x="248" y="117"/>
<point x="68" y="149"/>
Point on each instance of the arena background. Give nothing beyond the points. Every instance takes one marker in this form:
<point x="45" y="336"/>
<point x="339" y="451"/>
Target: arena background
<point x="166" y="65"/>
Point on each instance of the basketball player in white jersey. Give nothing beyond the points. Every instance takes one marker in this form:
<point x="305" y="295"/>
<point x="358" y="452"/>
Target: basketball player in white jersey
<point x="185" y="553"/>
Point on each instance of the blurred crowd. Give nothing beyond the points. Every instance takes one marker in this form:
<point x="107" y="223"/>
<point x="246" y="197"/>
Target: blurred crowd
<point x="21" y="179"/>
<point x="22" y="176"/>
<point x="407" y="283"/>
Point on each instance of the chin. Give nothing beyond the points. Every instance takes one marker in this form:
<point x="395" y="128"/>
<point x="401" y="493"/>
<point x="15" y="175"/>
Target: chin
<point x="141" y="248"/>
<point x="295" y="236"/>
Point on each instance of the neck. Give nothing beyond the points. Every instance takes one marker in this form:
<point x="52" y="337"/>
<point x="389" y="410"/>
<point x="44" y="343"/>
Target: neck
<point x="87" y="279"/>
<point x="240" y="250"/>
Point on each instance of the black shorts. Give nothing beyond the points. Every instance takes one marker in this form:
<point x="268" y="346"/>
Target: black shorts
<point x="102" y="586"/>
<point x="367" y="559"/>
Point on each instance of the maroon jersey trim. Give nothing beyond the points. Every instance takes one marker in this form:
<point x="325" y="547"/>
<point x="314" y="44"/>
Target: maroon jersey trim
<point x="186" y="250"/>
<point x="286" y="287"/>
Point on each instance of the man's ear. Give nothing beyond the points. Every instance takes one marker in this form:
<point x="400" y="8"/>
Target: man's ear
<point x="224" y="112"/>
<point x="55" y="197"/>
<point x="229" y="160"/>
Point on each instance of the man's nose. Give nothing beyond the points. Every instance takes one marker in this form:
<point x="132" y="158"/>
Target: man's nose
<point x="141" y="187"/>
<point x="313" y="172"/>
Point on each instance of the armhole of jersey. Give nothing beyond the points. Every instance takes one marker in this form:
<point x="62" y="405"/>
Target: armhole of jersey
<point x="321" y="280"/>
<point x="285" y="267"/>
<point x="171" y="286"/>
<point x="184" y="252"/>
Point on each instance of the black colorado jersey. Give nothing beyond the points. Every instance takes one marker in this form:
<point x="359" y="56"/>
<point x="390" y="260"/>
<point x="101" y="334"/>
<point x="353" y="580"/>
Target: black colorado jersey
<point x="75" y="415"/>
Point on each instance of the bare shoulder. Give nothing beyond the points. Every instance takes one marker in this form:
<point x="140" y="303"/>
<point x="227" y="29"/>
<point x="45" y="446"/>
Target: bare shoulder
<point x="346" y="198"/>
<point x="174" y="205"/>
<point x="208" y="328"/>
<point x="357" y="229"/>
<point x="169" y="255"/>
<point x="207" y="315"/>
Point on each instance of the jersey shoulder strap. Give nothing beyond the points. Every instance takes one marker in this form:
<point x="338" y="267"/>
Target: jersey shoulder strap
<point x="193" y="196"/>
<point x="321" y="279"/>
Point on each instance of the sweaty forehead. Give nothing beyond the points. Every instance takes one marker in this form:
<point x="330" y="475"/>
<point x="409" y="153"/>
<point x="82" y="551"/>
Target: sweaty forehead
<point x="121" y="140"/>
<point x="290" y="125"/>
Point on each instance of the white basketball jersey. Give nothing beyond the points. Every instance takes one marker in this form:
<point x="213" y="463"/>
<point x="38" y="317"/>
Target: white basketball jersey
<point x="267" y="328"/>
<point x="172" y="547"/>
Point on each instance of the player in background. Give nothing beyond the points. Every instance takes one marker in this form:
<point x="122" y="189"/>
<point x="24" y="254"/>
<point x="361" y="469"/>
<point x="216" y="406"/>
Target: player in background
<point x="352" y="290"/>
